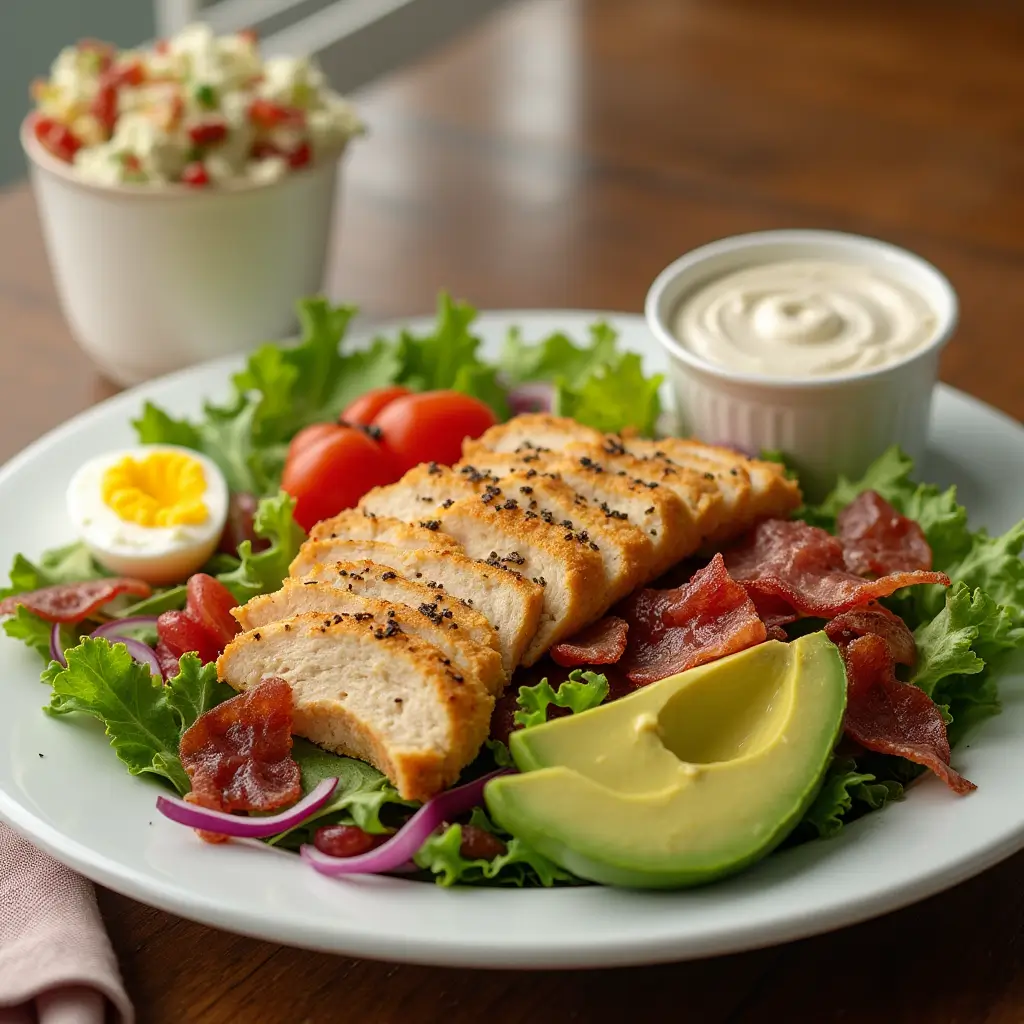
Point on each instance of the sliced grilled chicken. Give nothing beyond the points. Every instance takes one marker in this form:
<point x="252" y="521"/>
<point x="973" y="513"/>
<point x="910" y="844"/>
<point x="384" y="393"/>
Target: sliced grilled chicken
<point x="297" y="597"/>
<point x="697" y="491"/>
<point x="625" y="549"/>
<point x="511" y="604"/>
<point x="657" y="511"/>
<point x="359" y="524"/>
<point x="532" y="430"/>
<point x="417" y="496"/>
<point x="499" y="529"/>
<point x="562" y="560"/>
<point x="371" y="579"/>
<point x="371" y="692"/>
<point x="754" y="489"/>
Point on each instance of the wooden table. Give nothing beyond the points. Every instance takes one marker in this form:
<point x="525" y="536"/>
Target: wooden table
<point x="560" y="155"/>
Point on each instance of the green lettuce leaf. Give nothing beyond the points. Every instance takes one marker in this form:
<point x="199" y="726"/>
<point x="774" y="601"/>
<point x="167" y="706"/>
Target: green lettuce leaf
<point x="557" y="357"/>
<point x="360" y="797"/>
<point x="143" y="717"/>
<point x="103" y="680"/>
<point x="194" y="690"/>
<point x="520" y="865"/>
<point x="262" y="572"/>
<point x="615" y="396"/>
<point x="447" y="358"/>
<point x="580" y="692"/>
<point x="845" y="794"/>
<point x="23" y="625"/>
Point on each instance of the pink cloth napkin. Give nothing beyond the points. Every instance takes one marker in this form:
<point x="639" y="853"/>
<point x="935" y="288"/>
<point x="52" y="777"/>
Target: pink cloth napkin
<point x="56" y="962"/>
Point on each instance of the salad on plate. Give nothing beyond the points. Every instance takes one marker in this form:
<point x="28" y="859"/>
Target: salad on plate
<point x="196" y="110"/>
<point x="405" y="610"/>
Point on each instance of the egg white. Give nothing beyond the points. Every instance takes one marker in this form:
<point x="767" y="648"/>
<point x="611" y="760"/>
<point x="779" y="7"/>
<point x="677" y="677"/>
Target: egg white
<point x="159" y="555"/>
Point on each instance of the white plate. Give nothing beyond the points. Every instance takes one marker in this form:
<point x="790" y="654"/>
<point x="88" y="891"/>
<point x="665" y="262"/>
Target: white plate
<point x="62" y="787"/>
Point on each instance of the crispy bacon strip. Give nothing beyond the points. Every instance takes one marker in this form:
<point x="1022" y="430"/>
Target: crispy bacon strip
<point x="73" y="602"/>
<point x="878" y="540"/>
<point x="602" y="643"/>
<point x="673" y="630"/>
<point x="878" y="620"/>
<point x="239" y="754"/>
<point x="890" y="717"/>
<point x="804" y="567"/>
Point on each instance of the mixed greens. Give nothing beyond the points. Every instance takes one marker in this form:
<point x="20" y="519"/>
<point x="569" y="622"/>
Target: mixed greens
<point x="281" y="390"/>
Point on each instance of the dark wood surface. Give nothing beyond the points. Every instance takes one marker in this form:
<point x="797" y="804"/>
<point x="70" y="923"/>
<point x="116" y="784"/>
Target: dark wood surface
<point x="560" y="154"/>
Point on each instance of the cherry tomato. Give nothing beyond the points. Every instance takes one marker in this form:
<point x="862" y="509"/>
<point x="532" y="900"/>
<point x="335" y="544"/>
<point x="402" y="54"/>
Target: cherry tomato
<point x="267" y="114"/>
<point x="208" y="132"/>
<point x="309" y="436"/>
<point x="430" y="427"/>
<point x="363" y="411"/>
<point x="168" y="662"/>
<point x="195" y="175"/>
<point x="180" y="633"/>
<point x="210" y="603"/>
<point x="334" y="473"/>
<point x="162" y="46"/>
<point x="250" y="35"/>
<point x="57" y="138"/>
<point x="300" y="156"/>
<point x="104" y="106"/>
<point x="345" y="840"/>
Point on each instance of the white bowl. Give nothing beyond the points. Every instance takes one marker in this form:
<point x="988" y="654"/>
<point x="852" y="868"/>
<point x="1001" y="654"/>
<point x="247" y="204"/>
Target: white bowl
<point x="155" y="279"/>
<point x="828" y="426"/>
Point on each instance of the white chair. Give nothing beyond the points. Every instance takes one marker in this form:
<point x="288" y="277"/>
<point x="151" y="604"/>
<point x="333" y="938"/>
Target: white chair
<point x="355" y="41"/>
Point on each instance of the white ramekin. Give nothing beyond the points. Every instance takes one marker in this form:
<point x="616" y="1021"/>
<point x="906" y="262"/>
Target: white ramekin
<point x="152" y="280"/>
<point x="829" y="426"/>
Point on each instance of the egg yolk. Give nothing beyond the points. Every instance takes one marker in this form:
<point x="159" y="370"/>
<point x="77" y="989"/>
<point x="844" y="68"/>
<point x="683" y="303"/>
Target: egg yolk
<point x="162" y="489"/>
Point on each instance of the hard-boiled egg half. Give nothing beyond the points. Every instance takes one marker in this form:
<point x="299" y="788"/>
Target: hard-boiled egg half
<point x="154" y="512"/>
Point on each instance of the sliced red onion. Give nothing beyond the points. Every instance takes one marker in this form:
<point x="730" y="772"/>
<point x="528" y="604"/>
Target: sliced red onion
<point x="141" y="652"/>
<point x="241" y="826"/>
<point x="534" y="397"/>
<point x="115" y="626"/>
<point x="400" y="849"/>
<point x="56" y="647"/>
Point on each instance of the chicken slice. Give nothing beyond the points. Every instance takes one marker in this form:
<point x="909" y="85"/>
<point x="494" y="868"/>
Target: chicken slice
<point x="358" y="524"/>
<point x="511" y="604"/>
<point x="371" y="579"/>
<point x="371" y="692"/>
<point x="297" y="597"/>
<point x="625" y="549"/>
<point x="756" y="489"/>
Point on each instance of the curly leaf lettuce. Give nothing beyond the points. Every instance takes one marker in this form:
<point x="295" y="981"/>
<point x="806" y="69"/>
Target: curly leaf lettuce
<point x="143" y="718"/>
<point x="597" y="384"/>
<point x="580" y="692"/>
<point x="520" y="865"/>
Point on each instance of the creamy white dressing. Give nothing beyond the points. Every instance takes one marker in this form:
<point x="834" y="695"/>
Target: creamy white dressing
<point x="804" y="318"/>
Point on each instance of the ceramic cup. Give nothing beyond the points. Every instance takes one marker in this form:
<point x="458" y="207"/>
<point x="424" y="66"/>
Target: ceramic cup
<point x="155" y="279"/>
<point x="828" y="426"/>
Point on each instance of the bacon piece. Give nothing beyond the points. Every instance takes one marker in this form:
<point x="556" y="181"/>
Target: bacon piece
<point x="239" y="754"/>
<point x="803" y="566"/>
<point x="878" y="540"/>
<point x="673" y="630"/>
<point x="890" y="717"/>
<point x="602" y="643"/>
<point x="73" y="602"/>
<point x="878" y="620"/>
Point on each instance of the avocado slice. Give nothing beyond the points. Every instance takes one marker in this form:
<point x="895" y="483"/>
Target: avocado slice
<point x="689" y="779"/>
